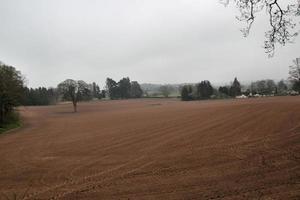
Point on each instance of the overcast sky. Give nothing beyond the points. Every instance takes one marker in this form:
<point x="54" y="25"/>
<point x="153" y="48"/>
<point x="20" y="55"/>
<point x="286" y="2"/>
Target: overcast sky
<point x="151" y="41"/>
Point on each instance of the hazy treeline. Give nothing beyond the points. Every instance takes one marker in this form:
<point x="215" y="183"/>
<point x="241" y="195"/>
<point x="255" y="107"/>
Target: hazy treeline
<point x="204" y="90"/>
<point x="87" y="91"/>
<point x="50" y="96"/>
<point x="161" y="90"/>
<point x="268" y="87"/>
<point x="78" y="90"/>
<point x="39" y="96"/>
<point x="13" y="93"/>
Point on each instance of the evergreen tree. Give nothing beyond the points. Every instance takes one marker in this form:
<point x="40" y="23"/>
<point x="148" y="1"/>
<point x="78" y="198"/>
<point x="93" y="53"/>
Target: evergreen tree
<point x="124" y="88"/>
<point x="186" y="93"/>
<point x="204" y="90"/>
<point x="112" y="88"/>
<point x="224" y="90"/>
<point x="135" y="90"/>
<point x="103" y="94"/>
<point x="96" y="91"/>
<point x="235" y="89"/>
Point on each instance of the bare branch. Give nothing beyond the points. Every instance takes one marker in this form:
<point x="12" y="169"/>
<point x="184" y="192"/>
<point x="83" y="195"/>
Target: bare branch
<point x="282" y="21"/>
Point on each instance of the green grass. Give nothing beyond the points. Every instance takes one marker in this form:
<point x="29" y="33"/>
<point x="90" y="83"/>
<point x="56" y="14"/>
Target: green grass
<point x="9" y="126"/>
<point x="12" y="121"/>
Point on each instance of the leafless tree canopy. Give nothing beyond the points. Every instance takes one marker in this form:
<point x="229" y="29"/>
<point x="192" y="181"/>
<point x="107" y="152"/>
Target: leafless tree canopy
<point x="282" y="20"/>
<point x="295" y="71"/>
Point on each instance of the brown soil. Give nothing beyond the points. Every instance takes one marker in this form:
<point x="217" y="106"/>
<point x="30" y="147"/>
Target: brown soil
<point x="155" y="149"/>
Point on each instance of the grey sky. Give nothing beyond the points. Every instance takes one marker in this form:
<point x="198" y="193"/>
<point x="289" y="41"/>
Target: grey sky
<point x="157" y="41"/>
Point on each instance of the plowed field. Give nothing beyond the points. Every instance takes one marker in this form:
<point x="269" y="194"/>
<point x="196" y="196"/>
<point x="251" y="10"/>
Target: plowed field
<point x="155" y="149"/>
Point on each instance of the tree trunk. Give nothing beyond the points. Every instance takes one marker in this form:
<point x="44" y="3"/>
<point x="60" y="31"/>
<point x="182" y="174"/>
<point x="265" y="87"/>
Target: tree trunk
<point x="2" y="112"/>
<point x="75" y="106"/>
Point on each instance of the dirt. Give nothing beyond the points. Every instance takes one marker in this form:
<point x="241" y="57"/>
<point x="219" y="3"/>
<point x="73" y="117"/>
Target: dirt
<point x="155" y="149"/>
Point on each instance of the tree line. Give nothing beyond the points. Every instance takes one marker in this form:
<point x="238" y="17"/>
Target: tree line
<point x="74" y="91"/>
<point x="268" y="87"/>
<point x="13" y="91"/>
<point x="50" y="96"/>
<point x="124" y="89"/>
<point x="204" y="90"/>
<point x="39" y="96"/>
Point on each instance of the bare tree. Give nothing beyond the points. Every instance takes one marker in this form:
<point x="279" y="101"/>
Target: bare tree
<point x="73" y="90"/>
<point x="295" y="74"/>
<point x="282" y="20"/>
